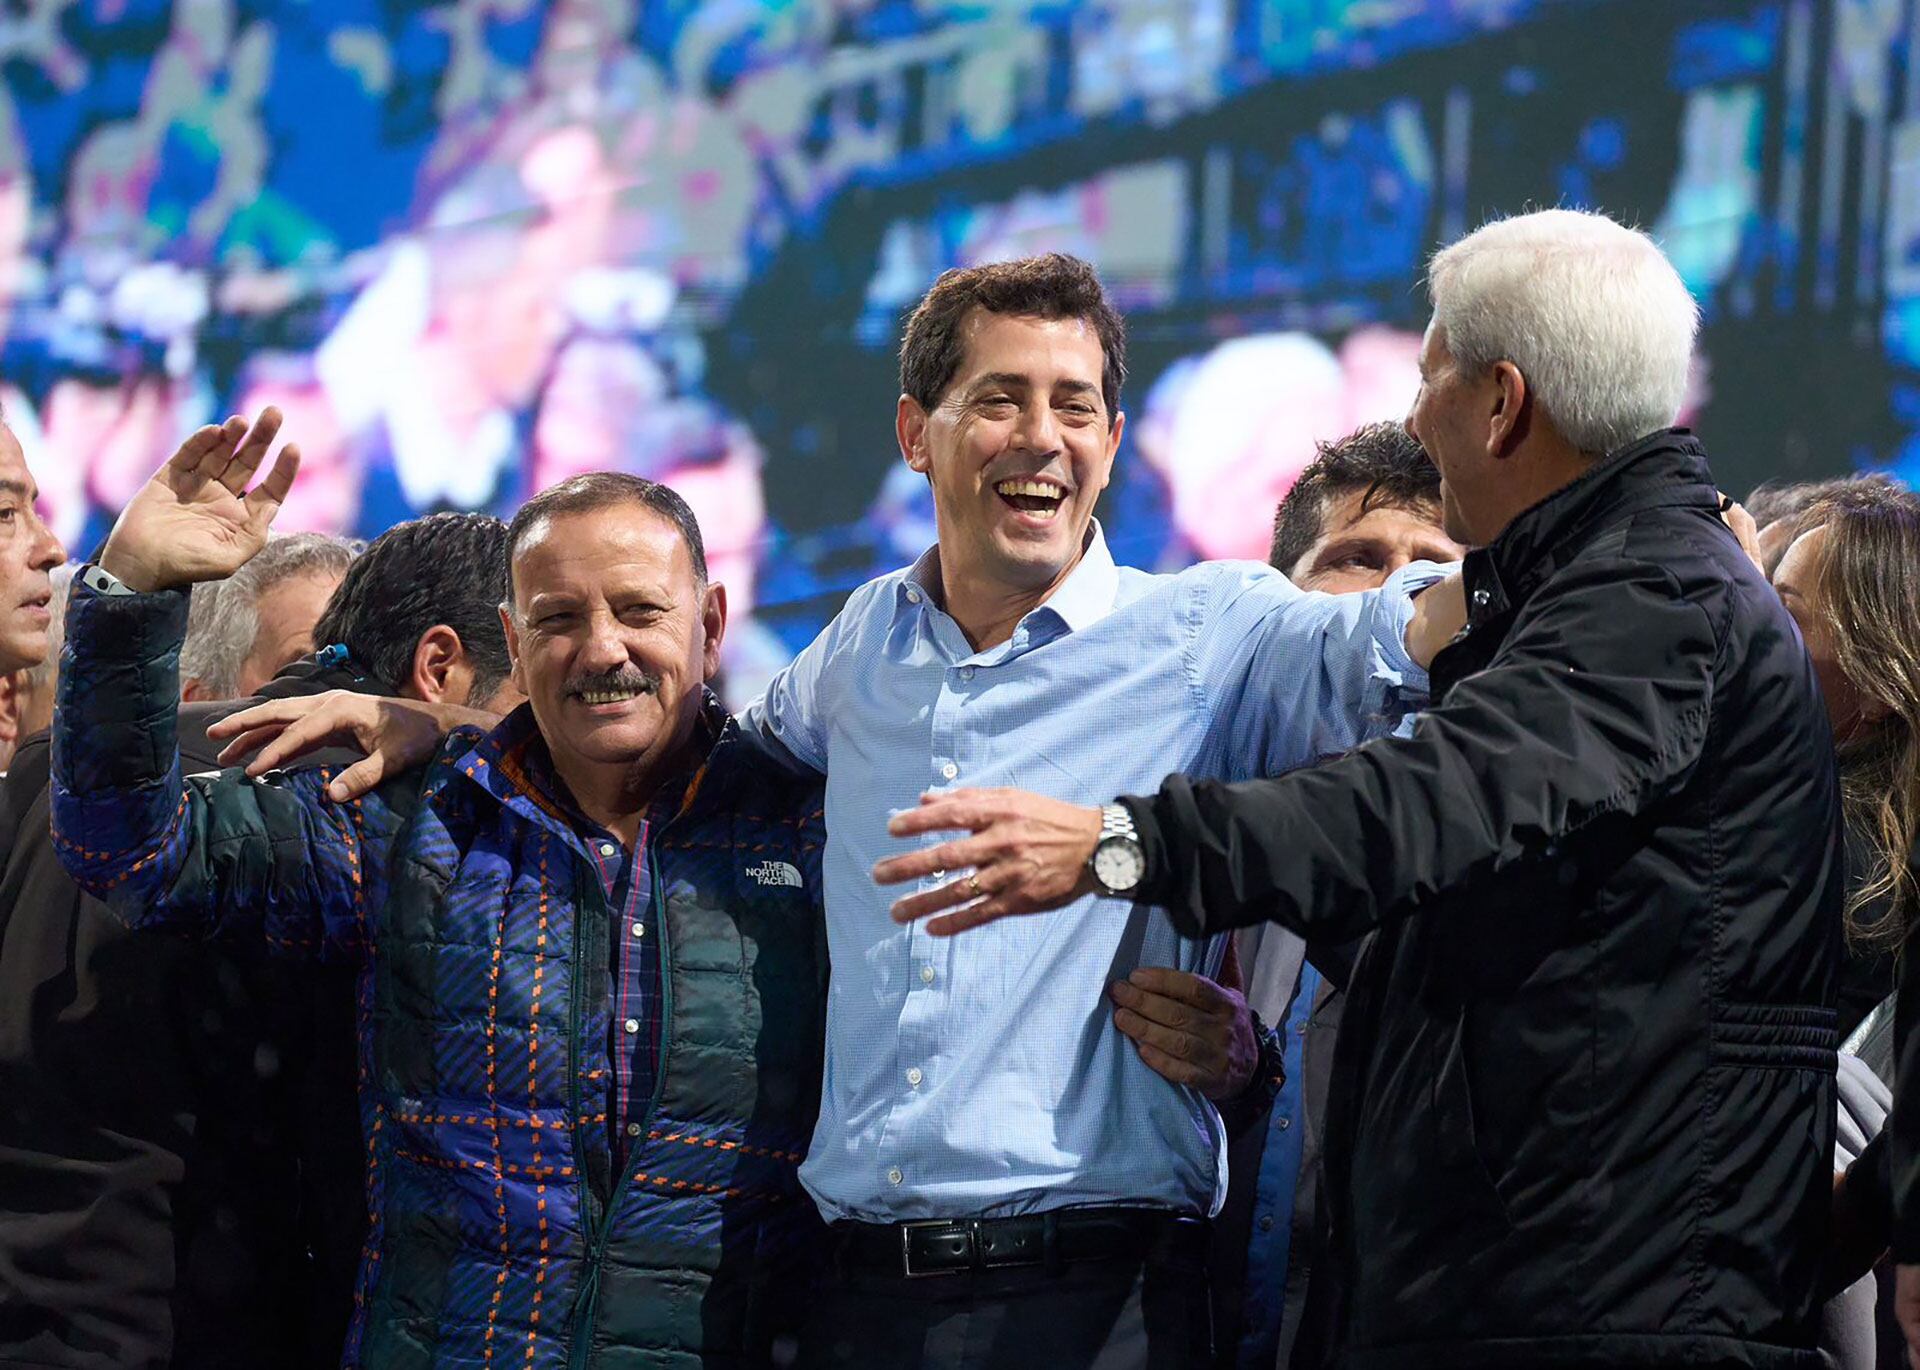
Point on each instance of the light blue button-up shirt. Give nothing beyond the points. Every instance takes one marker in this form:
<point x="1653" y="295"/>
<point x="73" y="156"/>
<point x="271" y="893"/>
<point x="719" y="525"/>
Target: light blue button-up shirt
<point x="981" y="1075"/>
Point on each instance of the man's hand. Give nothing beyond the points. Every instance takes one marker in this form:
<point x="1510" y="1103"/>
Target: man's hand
<point x="196" y="520"/>
<point x="1189" y="1029"/>
<point x="1027" y="853"/>
<point x="1439" y="613"/>
<point x="395" y="734"/>
<point x="1906" y="1308"/>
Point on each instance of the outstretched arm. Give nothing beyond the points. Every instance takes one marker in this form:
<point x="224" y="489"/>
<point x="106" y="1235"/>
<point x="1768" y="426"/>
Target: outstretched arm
<point x="1599" y="704"/>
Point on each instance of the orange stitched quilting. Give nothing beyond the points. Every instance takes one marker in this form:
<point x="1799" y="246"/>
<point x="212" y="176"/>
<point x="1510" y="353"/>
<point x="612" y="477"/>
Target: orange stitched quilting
<point x="717" y="1144"/>
<point x="533" y="1096"/>
<point x="493" y="1104"/>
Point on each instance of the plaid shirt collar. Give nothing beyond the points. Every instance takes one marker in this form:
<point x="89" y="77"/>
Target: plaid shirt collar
<point x="512" y="763"/>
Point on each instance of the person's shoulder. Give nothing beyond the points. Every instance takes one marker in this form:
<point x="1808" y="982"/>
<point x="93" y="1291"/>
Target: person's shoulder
<point x="1203" y="579"/>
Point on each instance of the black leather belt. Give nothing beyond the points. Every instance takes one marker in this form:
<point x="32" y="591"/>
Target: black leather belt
<point x="949" y="1246"/>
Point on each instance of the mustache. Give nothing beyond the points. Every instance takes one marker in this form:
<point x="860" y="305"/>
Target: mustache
<point x="626" y="678"/>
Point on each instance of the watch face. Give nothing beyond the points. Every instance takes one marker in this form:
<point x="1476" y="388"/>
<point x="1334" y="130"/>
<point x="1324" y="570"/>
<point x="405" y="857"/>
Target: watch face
<point x="1118" y="863"/>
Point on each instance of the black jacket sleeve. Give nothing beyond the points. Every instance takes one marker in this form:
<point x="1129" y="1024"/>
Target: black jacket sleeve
<point x="1597" y="702"/>
<point x="1902" y="1169"/>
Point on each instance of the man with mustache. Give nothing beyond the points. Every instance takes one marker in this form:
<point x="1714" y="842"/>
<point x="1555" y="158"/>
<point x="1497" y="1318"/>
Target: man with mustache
<point x="591" y="975"/>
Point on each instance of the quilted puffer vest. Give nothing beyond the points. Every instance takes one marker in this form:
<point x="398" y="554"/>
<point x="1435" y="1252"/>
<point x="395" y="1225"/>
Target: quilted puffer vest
<point x="504" y="1234"/>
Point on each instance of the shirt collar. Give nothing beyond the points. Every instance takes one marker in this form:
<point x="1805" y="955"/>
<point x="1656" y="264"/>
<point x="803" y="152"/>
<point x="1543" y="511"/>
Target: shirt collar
<point x="512" y="763"/>
<point x="1084" y="598"/>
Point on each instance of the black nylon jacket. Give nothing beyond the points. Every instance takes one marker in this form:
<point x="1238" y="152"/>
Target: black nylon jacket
<point x="1583" y="1113"/>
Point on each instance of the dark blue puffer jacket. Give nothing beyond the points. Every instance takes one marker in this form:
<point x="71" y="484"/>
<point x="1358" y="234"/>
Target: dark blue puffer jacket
<point x="501" y="1232"/>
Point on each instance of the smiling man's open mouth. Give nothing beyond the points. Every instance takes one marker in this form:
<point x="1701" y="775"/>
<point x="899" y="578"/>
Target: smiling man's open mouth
<point x="1032" y="495"/>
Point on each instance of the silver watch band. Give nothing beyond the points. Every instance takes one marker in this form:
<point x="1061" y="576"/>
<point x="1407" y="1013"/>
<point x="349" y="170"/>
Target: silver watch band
<point x="101" y="581"/>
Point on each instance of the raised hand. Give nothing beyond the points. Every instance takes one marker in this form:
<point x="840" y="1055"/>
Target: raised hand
<point x="196" y="519"/>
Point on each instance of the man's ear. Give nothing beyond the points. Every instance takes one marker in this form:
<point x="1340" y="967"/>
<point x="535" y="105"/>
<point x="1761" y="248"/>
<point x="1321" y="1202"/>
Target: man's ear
<point x="910" y="429"/>
<point x="713" y="618"/>
<point x="1113" y="446"/>
<point x="440" y="670"/>
<point x="193" y="690"/>
<point x="1508" y="422"/>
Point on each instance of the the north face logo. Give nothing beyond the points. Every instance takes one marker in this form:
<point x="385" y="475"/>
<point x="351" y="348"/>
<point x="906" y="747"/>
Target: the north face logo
<point x="776" y="873"/>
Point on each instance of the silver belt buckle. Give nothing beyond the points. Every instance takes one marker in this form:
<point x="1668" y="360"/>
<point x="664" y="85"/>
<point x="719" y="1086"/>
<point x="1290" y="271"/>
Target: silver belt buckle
<point x="906" y="1247"/>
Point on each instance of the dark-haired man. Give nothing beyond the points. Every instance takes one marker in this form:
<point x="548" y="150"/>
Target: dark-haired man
<point x="1368" y="504"/>
<point x="567" y="1168"/>
<point x="181" y="1175"/>
<point x="982" y="1122"/>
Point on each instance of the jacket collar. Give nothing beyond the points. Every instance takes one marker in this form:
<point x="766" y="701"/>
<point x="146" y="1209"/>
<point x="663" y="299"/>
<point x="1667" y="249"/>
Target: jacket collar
<point x="512" y="764"/>
<point x="1667" y="468"/>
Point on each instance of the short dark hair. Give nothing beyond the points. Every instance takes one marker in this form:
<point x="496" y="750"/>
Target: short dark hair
<point x="603" y="490"/>
<point x="1055" y="286"/>
<point x="444" y="568"/>
<point x="1380" y="459"/>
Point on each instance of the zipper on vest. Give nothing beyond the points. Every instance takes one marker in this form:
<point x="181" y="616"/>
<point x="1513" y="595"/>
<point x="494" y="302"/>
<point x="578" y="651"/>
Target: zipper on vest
<point x="587" y="1308"/>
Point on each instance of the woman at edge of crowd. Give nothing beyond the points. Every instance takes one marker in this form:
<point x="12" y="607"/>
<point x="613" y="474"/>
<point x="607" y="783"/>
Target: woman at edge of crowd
<point x="1851" y="580"/>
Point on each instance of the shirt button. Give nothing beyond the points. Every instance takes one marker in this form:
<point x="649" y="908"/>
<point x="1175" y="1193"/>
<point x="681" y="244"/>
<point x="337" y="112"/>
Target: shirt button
<point x="1266" y="1222"/>
<point x="1480" y="598"/>
<point x="633" y="1129"/>
<point x="926" y="975"/>
<point x="914" y="1077"/>
<point x="966" y="673"/>
<point x="608" y="849"/>
<point x="639" y="929"/>
<point x="894" y="1176"/>
<point x="1283" y="1123"/>
<point x="633" y="1025"/>
<point x="949" y="771"/>
<point x="913" y="595"/>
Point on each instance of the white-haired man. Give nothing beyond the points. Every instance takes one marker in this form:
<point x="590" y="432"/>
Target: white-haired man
<point x="1585" y="1114"/>
<point x="243" y="630"/>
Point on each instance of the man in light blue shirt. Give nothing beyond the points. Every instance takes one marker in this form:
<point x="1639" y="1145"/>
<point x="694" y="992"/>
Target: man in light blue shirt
<point x="980" y="1119"/>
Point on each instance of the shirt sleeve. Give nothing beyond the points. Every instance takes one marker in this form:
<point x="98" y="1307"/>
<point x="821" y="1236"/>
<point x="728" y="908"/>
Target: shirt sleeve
<point x="1293" y="675"/>
<point x="1576" y="719"/>
<point x="789" y="720"/>
<point x="223" y="854"/>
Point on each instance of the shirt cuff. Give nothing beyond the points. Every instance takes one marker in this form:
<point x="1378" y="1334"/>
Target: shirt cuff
<point x="1400" y="679"/>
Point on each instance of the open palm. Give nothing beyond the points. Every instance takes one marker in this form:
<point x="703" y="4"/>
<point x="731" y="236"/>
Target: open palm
<point x="196" y="519"/>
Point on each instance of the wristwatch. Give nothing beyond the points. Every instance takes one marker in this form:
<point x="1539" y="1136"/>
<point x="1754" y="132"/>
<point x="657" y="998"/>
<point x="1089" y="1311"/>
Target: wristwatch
<point x="1119" y="862"/>
<point x="101" y="581"/>
<point x="1269" y="1074"/>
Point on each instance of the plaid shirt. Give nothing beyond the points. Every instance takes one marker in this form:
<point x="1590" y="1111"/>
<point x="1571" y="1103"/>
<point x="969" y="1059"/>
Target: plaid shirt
<point x="633" y="948"/>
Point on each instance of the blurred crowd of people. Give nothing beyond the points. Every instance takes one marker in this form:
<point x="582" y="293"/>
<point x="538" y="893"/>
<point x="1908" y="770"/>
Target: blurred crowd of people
<point x="1501" y="967"/>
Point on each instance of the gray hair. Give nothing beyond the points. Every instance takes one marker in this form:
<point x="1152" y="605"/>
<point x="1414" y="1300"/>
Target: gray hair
<point x="224" y="617"/>
<point x="1593" y="315"/>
